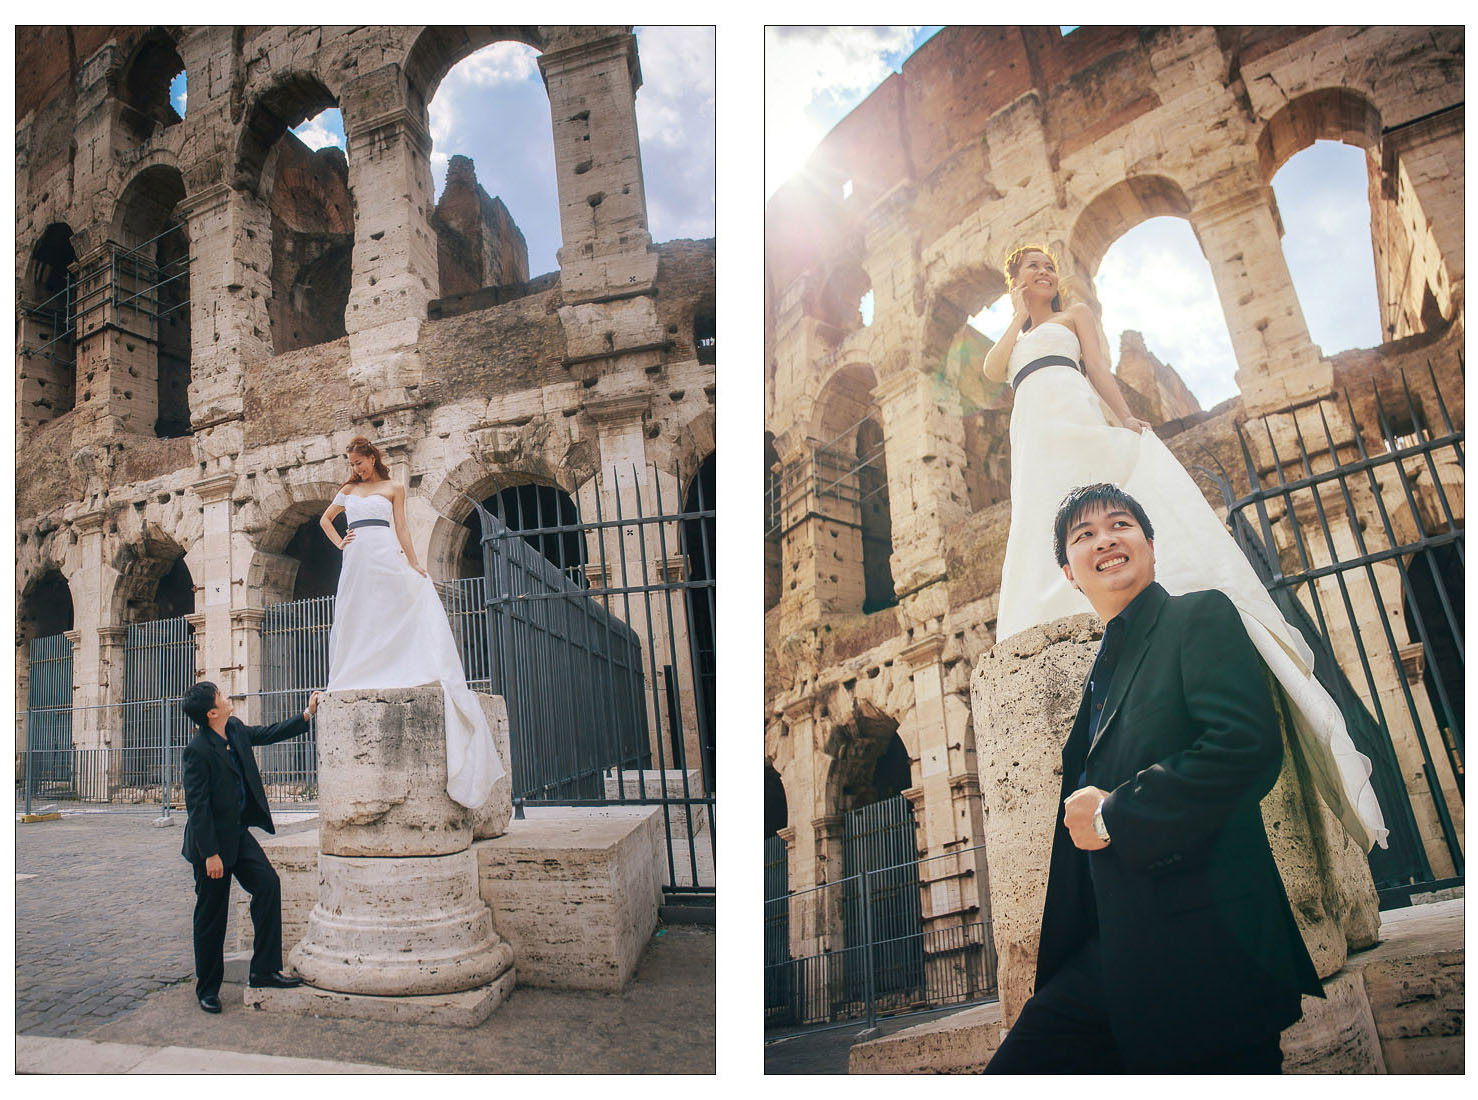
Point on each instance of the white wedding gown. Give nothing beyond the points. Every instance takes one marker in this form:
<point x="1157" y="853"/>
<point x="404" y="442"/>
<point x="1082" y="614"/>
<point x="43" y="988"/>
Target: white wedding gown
<point x="1060" y="439"/>
<point x="391" y="631"/>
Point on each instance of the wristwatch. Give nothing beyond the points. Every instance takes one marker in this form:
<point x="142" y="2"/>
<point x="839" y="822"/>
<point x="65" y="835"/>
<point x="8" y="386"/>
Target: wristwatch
<point x="307" y="717"/>
<point x="1098" y="826"/>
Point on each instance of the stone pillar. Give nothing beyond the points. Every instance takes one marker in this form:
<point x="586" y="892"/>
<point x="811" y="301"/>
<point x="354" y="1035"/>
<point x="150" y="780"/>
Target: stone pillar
<point x="926" y="477"/>
<point x="246" y="656"/>
<point x="1277" y="362"/>
<point x="213" y="649"/>
<point x="395" y="265"/>
<point x="230" y="286"/>
<point x="400" y="930"/>
<point x="1422" y="186"/>
<point x="1025" y="694"/>
<point x="592" y="76"/>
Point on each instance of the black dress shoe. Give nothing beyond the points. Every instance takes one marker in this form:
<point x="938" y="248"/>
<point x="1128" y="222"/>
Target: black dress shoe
<point x="278" y="980"/>
<point x="210" y="1004"/>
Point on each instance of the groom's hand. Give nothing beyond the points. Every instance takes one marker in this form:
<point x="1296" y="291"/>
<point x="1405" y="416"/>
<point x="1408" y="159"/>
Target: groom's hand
<point x="313" y="703"/>
<point x="214" y="868"/>
<point x="1077" y="814"/>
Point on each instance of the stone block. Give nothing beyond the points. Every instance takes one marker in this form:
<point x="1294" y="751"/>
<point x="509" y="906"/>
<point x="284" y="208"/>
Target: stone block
<point x="491" y="818"/>
<point x="295" y="856"/>
<point x="575" y="892"/>
<point x="382" y="775"/>
<point x="653" y="783"/>
<point x="403" y="926"/>
<point x="960" y="1043"/>
<point x="466" y="1009"/>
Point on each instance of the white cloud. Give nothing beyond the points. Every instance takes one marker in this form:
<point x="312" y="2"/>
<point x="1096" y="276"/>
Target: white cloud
<point x="813" y="75"/>
<point x="323" y="130"/>
<point x="677" y="87"/>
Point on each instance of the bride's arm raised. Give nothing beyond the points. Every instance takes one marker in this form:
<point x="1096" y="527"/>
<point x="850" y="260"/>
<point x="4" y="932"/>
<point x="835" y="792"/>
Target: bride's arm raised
<point x="326" y="521"/>
<point x="402" y="532"/>
<point x="1096" y="364"/>
<point x="999" y="356"/>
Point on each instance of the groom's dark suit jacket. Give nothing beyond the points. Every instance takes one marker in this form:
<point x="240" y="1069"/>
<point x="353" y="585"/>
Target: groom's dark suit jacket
<point x="1200" y="951"/>
<point x="213" y="782"/>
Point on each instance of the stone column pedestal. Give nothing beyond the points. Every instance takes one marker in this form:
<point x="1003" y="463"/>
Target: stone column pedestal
<point x="1025" y="694"/>
<point x="400" y="930"/>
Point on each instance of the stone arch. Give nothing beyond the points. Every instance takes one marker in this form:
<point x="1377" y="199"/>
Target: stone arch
<point x="693" y="444"/>
<point x="1325" y="114"/>
<point x="838" y="301"/>
<point x="48" y="375"/>
<point x="777" y="802"/>
<point x="288" y="99"/>
<point x="143" y="85"/>
<point x="475" y="479"/>
<point x="437" y="50"/>
<point x="1111" y="214"/>
<point x="845" y="399"/>
<point x="272" y="574"/>
<point x="146" y="568"/>
<point x="959" y="295"/>
<point x="44" y="606"/>
<point x="867" y="758"/>
<point x="154" y="266"/>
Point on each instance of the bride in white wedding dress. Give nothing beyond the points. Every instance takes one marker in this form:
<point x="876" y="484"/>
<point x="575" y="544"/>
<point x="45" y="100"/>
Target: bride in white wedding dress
<point x="390" y="629"/>
<point x="1062" y="439"/>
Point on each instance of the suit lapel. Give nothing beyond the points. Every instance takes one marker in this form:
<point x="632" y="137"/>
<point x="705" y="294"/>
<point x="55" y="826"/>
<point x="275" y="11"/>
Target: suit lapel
<point x="1136" y="645"/>
<point x="219" y="746"/>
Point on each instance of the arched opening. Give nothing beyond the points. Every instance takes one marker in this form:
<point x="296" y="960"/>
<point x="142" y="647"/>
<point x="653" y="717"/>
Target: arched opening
<point x="154" y="581"/>
<point x="850" y="486"/>
<point x="699" y="554"/>
<point x="777" y="810"/>
<point x="311" y="210"/>
<point x="1135" y="258"/>
<point x="846" y="299"/>
<point x="772" y="523"/>
<point x="44" y="681"/>
<point x="319" y="561"/>
<point x="153" y="275"/>
<point x="535" y="509"/>
<point x="45" y="609"/>
<point x="48" y="376"/>
<point x="146" y="105"/>
<point x="489" y="71"/>
<point x="1327" y="197"/>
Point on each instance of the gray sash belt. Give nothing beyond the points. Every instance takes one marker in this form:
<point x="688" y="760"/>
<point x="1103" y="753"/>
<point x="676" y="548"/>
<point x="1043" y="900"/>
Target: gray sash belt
<point x="1038" y="364"/>
<point x="369" y="523"/>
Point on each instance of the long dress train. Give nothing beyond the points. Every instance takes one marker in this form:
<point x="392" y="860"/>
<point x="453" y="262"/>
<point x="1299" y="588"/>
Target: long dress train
<point x="1060" y="439"/>
<point x="391" y="631"/>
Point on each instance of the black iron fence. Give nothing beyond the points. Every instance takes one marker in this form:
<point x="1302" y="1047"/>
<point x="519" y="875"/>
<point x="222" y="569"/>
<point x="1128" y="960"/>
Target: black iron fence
<point x="835" y="972"/>
<point x="1366" y="557"/>
<point x="601" y="637"/>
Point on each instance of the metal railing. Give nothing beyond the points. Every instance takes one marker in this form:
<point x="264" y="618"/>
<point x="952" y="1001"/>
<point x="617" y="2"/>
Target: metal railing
<point x="831" y="471"/>
<point x="1303" y="554"/>
<point x="880" y="973"/>
<point x="606" y="661"/>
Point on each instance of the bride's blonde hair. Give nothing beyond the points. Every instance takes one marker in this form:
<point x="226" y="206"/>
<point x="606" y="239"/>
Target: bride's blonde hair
<point x="1013" y="265"/>
<point x="359" y="445"/>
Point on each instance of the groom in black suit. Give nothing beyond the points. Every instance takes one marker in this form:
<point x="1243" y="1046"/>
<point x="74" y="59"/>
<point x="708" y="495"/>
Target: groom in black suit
<point x="1167" y="943"/>
<point x="224" y="796"/>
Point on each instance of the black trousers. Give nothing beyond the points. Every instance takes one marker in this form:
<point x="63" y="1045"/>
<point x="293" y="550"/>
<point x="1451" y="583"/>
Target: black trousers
<point x="212" y="896"/>
<point x="1064" y="1028"/>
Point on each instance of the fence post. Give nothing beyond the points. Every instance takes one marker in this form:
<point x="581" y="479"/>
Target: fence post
<point x="867" y="937"/>
<point x="165" y="778"/>
<point x="30" y="750"/>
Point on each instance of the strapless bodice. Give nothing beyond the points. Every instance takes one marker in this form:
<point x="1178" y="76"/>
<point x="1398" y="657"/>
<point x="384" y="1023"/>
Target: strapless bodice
<point x="1048" y="338"/>
<point x="373" y="506"/>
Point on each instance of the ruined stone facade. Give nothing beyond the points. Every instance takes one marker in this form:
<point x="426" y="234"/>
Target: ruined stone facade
<point x="175" y="460"/>
<point x="986" y="138"/>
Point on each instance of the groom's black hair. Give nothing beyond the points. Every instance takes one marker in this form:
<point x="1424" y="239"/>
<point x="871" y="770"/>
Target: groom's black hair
<point x="198" y="702"/>
<point x="1093" y="498"/>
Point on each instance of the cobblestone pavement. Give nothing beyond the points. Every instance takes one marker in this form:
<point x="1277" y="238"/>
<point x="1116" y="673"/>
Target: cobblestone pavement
<point x="102" y="918"/>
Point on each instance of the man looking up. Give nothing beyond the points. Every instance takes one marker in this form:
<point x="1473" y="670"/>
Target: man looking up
<point x="224" y="796"/>
<point x="1168" y="944"/>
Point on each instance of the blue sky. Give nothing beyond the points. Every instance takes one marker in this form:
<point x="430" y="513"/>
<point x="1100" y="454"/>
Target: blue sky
<point x="493" y="108"/>
<point x="1154" y="279"/>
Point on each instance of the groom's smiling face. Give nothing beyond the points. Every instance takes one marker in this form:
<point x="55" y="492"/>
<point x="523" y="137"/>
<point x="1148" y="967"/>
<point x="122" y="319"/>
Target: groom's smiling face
<point x="1109" y="559"/>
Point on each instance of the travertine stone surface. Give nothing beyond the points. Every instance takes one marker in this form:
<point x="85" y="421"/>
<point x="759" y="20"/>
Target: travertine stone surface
<point x="382" y="775"/>
<point x="1025" y="694"/>
<point x="491" y="818"/>
<point x="407" y="925"/>
<point x="575" y="891"/>
<point x="441" y="1009"/>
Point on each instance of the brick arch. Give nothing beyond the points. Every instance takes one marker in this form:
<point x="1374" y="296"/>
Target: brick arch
<point x="1115" y="211"/>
